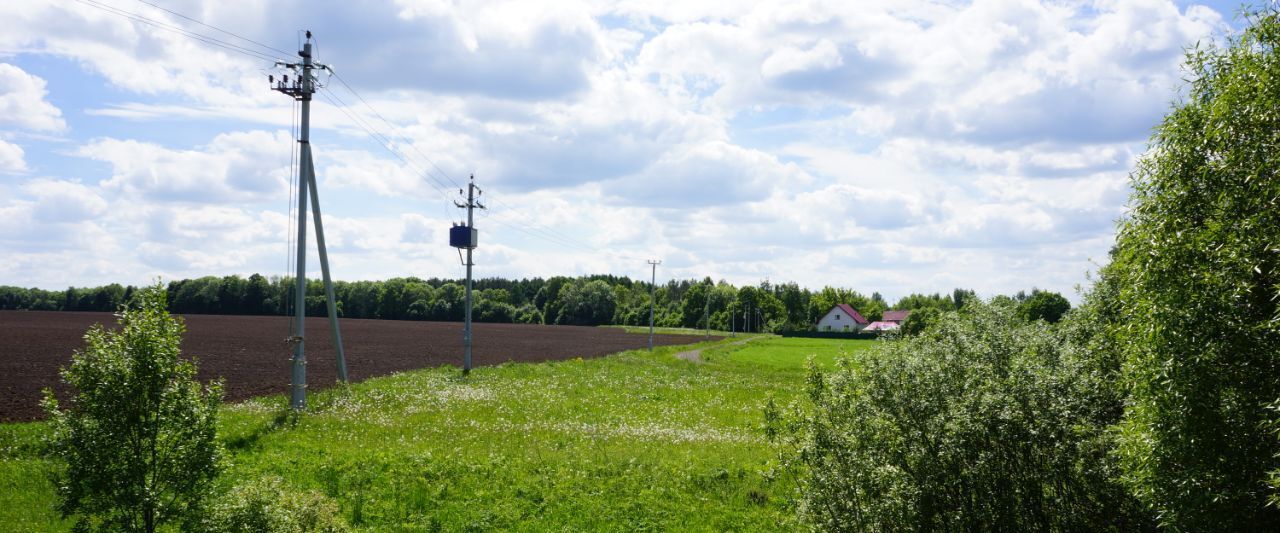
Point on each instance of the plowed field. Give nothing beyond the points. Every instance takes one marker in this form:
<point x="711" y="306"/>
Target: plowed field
<point x="250" y="355"/>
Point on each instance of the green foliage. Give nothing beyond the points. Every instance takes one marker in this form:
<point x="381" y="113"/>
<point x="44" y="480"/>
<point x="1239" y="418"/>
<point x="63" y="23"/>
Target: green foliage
<point x="919" y="320"/>
<point x="266" y="505"/>
<point x="136" y="445"/>
<point x="586" y="303"/>
<point x="1197" y="274"/>
<point x="1044" y="305"/>
<point x="984" y="422"/>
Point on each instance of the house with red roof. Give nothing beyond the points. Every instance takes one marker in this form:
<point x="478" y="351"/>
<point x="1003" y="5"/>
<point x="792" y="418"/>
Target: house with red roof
<point x="891" y="320"/>
<point x="895" y="316"/>
<point x="842" y="317"/>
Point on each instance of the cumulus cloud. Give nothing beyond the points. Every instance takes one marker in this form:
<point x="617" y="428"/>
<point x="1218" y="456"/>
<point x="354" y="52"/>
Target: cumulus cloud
<point x="892" y="145"/>
<point x="234" y="167"/>
<point x="12" y="160"/>
<point x="23" y="104"/>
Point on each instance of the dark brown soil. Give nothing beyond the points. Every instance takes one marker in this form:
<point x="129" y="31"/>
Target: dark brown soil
<point x="250" y="354"/>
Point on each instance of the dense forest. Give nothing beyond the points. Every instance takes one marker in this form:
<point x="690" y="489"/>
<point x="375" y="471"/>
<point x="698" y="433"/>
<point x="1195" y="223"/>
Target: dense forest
<point x="587" y="300"/>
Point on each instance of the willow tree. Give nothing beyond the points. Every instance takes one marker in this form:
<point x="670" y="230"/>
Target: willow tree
<point x="1197" y="265"/>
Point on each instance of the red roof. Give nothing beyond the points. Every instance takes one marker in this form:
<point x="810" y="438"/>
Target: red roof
<point x="895" y="316"/>
<point x="853" y="313"/>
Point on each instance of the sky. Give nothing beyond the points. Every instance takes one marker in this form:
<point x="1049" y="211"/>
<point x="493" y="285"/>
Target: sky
<point x="896" y="147"/>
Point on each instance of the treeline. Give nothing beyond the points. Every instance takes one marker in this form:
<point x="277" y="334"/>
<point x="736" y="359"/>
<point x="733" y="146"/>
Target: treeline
<point x="586" y="300"/>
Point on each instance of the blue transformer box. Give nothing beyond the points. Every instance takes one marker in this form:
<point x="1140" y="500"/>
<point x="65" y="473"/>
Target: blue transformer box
<point x="463" y="237"/>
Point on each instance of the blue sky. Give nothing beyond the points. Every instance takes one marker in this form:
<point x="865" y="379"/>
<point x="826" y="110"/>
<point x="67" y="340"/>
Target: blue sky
<point x="898" y="146"/>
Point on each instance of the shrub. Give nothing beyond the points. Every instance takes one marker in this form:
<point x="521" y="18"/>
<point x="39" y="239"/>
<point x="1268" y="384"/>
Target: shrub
<point x="983" y="422"/>
<point x="136" y="445"/>
<point x="267" y="506"/>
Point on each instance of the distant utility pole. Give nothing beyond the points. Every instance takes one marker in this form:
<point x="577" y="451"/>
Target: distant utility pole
<point x="653" y="284"/>
<point x="301" y="89"/>
<point x="467" y="239"/>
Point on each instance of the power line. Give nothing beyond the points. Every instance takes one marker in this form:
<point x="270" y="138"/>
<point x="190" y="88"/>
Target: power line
<point x="177" y="29"/>
<point x="212" y="27"/>
<point x="389" y="125"/>
<point x="535" y="230"/>
<point x="384" y="142"/>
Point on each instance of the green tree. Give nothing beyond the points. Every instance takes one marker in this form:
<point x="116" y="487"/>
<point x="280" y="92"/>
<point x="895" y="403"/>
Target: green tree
<point x="919" y="320"/>
<point x="1044" y="305"/>
<point x="136" y="445"/>
<point x="586" y="303"/>
<point x="1197" y="270"/>
<point x="256" y="293"/>
<point x="693" y="305"/>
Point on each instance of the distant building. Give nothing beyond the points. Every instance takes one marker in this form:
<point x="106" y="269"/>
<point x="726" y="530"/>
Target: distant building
<point x="881" y="325"/>
<point x="842" y="317"/>
<point x="895" y="317"/>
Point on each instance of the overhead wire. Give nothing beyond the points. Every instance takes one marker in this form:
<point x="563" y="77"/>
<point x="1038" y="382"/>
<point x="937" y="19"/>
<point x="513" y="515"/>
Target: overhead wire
<point x="289" y="251"/>
<point x="529" y="228"/>
<point x="213" y="41"/>
<point x="381" y="140"/>
<point x="385" y="140"/>
<point x="215" y="28"/>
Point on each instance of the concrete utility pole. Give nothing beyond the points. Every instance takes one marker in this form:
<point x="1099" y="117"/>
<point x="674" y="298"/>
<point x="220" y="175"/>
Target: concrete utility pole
<point x="653" y="280"/>
<point x="470" y="206"/>
<point x="301" y="89"/>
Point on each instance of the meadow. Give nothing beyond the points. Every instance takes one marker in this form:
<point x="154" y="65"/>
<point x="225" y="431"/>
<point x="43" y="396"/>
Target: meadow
<point x="631" y="441"/>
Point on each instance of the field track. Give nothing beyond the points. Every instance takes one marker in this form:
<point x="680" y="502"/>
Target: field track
<point x="249" y="352"/>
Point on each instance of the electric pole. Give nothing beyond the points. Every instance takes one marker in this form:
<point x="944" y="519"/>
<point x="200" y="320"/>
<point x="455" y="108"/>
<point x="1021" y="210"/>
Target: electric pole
<point x="653" y="284"/>
<point x="468" y="240"/>
<point x="301" y="89"/>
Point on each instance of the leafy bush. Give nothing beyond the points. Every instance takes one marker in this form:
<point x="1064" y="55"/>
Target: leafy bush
<point x="1197" y="267"/>
<point x="136" y="445"/>
<point x="267" y="506"/>
<point x="983" y="422"/>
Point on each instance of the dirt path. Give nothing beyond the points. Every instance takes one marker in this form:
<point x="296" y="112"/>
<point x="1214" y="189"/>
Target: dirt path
<point x="695" y="356"/>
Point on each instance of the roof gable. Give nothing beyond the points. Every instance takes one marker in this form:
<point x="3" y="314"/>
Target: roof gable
<point x="849" y="310"/>
<point x="895" y="316"/>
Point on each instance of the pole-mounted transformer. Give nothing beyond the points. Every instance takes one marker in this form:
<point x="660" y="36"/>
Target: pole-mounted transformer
<point x="461" y="236"/>
<point x="466" y="237"/>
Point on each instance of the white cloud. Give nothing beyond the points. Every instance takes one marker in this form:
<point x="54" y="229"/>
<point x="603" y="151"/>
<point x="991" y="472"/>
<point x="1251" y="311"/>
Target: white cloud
<point x="23" y="104"/>
<point x="787" y="60"/>
<point x="900" y="146"/>
<point x="234" y="167"/>
<point x="64" y="201"/>
<point x="11" y="158"/>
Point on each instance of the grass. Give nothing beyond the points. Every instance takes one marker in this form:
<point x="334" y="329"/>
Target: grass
<point x="633" y="441"/>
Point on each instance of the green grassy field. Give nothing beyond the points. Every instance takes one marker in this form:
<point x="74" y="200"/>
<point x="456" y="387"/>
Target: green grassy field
<point x="633" y="441"/>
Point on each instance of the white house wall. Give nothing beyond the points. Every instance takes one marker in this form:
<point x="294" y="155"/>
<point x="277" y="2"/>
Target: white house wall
<point x="838" y="320"/>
